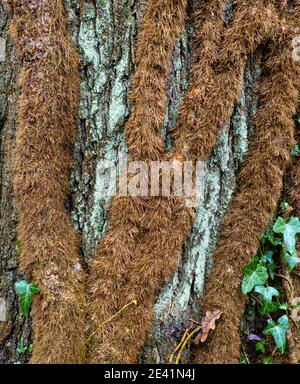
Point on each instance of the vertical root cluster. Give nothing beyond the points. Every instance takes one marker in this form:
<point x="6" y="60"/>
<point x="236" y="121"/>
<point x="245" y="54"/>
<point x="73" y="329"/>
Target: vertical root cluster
<point x="122" y="261"/>
<point x="218" y="73"/>
<point x="146" y="235"/>
<point x="140" y="250"/>
<point x="259" y="189"/>
<point x="47" y="110"/>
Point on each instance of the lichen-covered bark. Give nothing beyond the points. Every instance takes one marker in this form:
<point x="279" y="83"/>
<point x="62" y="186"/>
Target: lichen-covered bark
<point x="104" y="32"/>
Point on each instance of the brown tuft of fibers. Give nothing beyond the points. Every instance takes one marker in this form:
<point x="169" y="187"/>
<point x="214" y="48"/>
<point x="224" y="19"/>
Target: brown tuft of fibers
<point x="218" y="78"/>
<point x="110" y="272"/>
<point x="47" y="110"/>
<point x="152" y="263"/>
<point x="162" y="23"/>
<point x="259" y="188"/>
<point x="164" y="233"/>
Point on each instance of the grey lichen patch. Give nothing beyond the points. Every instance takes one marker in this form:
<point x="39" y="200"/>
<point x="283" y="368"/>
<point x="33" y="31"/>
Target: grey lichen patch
<point x="178" y="83"/>
<point x="104" y="31"/>
<point x="246" y="111"/>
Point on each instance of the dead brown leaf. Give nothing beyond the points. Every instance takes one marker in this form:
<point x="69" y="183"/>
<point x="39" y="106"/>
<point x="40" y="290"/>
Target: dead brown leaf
<point x="208" y="323"/>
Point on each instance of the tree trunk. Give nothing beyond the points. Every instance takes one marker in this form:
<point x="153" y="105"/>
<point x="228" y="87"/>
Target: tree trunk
<point x="104" y="32"/>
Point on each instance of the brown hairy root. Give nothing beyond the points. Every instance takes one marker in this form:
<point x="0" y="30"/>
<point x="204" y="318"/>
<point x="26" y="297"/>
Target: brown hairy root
<point x="160" y="235"/>
<point x="47" y="110"/>
<point x="140" y="277"/>
<point x="162" y="23"/>
<point x="152" y="263"/>
<point x="218" y="77"/>
<point x="163" y="226"/>
<point x="259" y="189"/>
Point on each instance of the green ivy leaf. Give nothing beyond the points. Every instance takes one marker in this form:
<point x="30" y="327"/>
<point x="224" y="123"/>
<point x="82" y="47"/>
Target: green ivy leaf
<point x="267" y="360"/>
<point x="292" y="260"/>
<point x="21" y="349"/>
<point x="18" y="248"/>
<point x="269" y="236"/>
<point x="254" y="274"/>
<point x="295" y="150"/>
<point x="284" y="205"/>
<point x="260" y="346"/>
<point x="242" y="359"/>
<point x="289" y="230"/>
<point x="284" y="306"/>
<point x="267" y="294"/>
<point x="267" y="259"/>
<point x="278" y="331"/>
<point x="25" y="292"/>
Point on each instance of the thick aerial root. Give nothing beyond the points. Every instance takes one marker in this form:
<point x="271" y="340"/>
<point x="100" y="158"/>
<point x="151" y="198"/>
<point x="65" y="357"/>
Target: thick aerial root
<point x="142" y="254"/>
<point x="141" y="248"/>
<point x="162" y="23"/>
<point x="132" y="268"/>
<point x="259" y="189"/>
<point x="49" y="88"/>
<point x="218" y="78"/>
<point x="121" y="340"/>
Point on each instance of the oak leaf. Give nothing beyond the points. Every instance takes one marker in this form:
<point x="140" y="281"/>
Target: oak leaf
<point x="208" y="323"/>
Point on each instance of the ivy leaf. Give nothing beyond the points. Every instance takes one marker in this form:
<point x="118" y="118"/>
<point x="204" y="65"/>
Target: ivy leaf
<point x="260" y="346"/>
<point x="269" y="236"/>
<point x="289" y="230"/>
<point x="21" y="349"/>
<point x="254" y="274"/>
<point x="242" y="359"/>
<point x="267" y="360"/>
<point x="284" y="306"/>
<point x="25" y="292"/>
<point x="267" y="294"/>
<point x="292" y="260"/>
<point x="18" y="248"/>
<point x="278" y="331"/>
<point x="272" y="238"/>
<point x="267" y="259"/>
<point x="295" y="150"/>
<point x="284" y="205"/>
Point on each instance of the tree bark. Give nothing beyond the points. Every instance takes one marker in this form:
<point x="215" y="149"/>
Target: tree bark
<point x="104" y="32"/>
